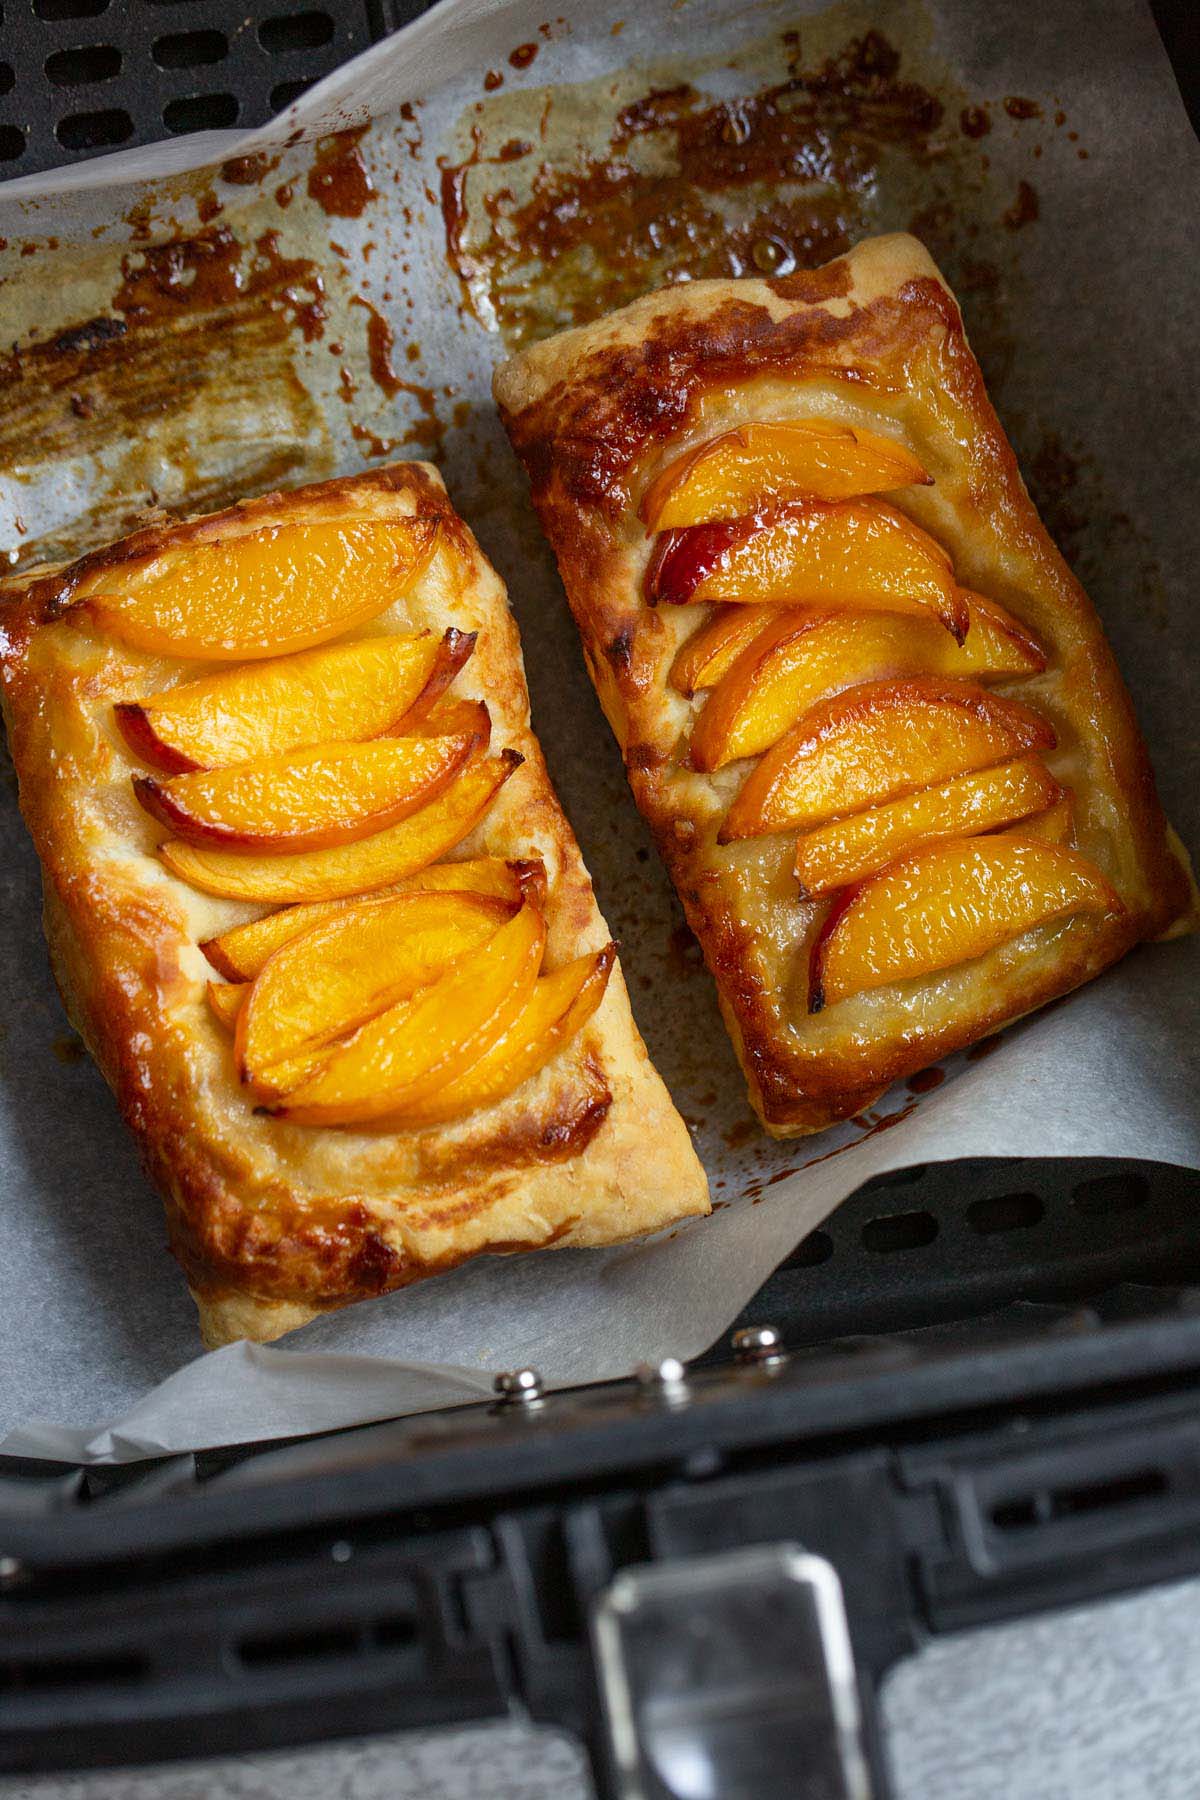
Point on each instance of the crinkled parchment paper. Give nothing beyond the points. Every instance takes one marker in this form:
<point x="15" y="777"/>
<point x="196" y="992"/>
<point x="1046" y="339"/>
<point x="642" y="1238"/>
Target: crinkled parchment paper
<point x="180" y="334"/>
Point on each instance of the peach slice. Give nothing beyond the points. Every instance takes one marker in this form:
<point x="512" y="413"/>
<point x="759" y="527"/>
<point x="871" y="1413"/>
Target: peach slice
<point x="325" y="983"/>
<point x="997" y="643"/>
<point x="1054" y="826"/>
<point x="802" y="655"/>
<point x="408" y="1054"/>
<point x="316" y="798"/>
<point x="449" y="717"/>
<point x="225" y="998"/>
<point x="558" y="1007"/>
<point x="514" y="882"/>
<point x="859" y="553"/>
<point x="874" y="743"/>
<point x="284" y="588"/>
<point x="340" y="695"/>
<point x="769" y="464"/>
<point x="847" y="850"/>
<point x="1002" y="642"/>
<point x="358" y="868"/>
<point x="711" y="652"/>
<point x="947" y="905"/>
<point x="240" y="953"/>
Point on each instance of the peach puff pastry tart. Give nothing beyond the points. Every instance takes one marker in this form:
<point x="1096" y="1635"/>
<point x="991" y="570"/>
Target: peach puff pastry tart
<point x="315" y="909"/>
<point x="865" y="706"/>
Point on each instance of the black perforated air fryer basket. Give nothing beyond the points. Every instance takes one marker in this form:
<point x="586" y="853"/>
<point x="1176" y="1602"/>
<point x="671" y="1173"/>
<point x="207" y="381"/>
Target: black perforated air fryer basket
<point x="987" y="1403"/>
<point x="79" y="77"/>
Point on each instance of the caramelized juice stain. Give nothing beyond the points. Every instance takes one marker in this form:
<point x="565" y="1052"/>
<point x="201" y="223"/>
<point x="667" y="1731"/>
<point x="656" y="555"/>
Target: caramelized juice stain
<point x="649" y="209"/>
<point x="248" y="171"/>
<point x="925" y="1080"/>
<point x="373" y="445"/>
<point x="338" y="180"/>
<point x="179" y="369"/>
<point x="1024" y="209"/>
<point x="181" y="388"/>
<point x="869" y="1127"/>
<point x="427" y="428"/>
<point x="649" y="178"/>
<point x="215" y="271"/>
<point x="381" y="341"/>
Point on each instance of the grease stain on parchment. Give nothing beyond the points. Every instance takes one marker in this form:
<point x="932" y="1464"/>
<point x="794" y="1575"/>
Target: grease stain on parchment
<point x="562" y="203"/>
<point x="181" y="387"/>
<point x="225" y="351"/>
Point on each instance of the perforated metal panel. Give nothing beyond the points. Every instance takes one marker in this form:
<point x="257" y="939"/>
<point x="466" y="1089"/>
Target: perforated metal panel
<point x="79" y="78"/>
<point x="958" y="1240"/>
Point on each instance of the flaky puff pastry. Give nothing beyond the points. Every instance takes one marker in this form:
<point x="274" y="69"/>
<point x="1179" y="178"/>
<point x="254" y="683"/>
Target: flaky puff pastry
<point x="873" y="340"/>
<point x="274" y="1222"/>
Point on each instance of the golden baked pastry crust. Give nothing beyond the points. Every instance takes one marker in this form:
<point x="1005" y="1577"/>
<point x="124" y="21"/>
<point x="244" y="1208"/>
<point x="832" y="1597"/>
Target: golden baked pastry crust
<point x="873" y="339"/>
<point x="275" y="1223"/>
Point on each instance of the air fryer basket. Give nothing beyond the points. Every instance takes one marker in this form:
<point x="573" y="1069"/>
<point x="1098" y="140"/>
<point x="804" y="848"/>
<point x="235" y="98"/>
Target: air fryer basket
<point x="81" y="77"/>
<point x="986" y="1403"/>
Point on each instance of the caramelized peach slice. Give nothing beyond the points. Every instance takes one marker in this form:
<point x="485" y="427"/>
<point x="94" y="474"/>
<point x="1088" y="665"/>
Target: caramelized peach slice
<point x="451" y="717"/>
<point x="711" y="652"/>
<point x="1054" y="826"/>
<point x="358" y="868"/>
<point x="338" y="695"/>
<point x="325" y="983"/>
<point x="948" y="905"/>
<point x="874" y="743"/>
<point x="802" y="655"/>
<point x="558" y="1007"/>
<point x="1001" y="642"/>
<point x="311" y="800"/>
<point x="240" y="953"/>
<point x="847" y="850"/>
<point x="411" y="1052"/>
<point x="284" y="588"/>
<point x="514" y="882"/>
<point x="769" y="464"/>
<point x="225" y="998"/>
<point x="858" y="553"/>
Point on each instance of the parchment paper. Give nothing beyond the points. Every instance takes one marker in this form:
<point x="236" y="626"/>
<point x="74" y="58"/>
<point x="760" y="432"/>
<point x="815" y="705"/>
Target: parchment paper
<point x="1086" y="329"/>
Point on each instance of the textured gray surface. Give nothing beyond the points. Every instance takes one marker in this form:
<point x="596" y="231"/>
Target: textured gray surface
<point x="496" y="1762"/>
<point x="1094" y="1704"/>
